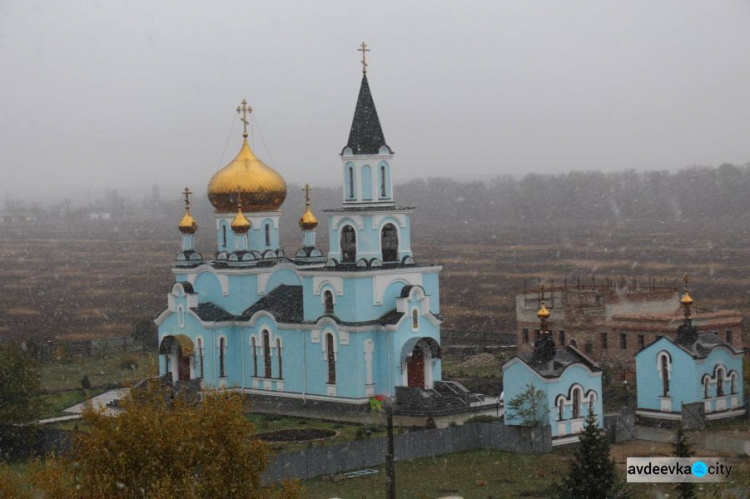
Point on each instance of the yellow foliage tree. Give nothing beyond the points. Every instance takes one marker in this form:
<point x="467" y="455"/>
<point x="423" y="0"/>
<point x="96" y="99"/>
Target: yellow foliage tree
<point x="161" y="448"/>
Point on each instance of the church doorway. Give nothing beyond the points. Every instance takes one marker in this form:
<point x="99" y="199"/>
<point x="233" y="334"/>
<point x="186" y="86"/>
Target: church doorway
<point x="178" y="352"/>
<point x="415" y="366"/>
<point x="389" y="243"/>
<point x="348" y="244"/>
<point x="183" y="370"/>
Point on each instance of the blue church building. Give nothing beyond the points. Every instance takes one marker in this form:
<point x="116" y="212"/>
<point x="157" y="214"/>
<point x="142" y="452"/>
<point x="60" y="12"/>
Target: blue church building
<point x="695" y="367"/>
<point x="343" y="327"/>
<point x="571" y="384"/>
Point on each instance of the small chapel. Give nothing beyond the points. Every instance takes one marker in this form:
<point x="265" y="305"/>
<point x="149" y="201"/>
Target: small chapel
<point x="358" y="321"/>
<point x="695" y="368"/>
<point x="568" y="382"/>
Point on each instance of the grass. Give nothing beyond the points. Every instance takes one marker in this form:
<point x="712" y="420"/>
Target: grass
<point x="483" y="474"/>
<point x="59" y="375"/>
<point x="475" y="474"/>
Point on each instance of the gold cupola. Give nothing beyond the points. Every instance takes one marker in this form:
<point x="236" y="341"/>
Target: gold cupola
<point x="261" y="188"/>
<point x="240" y="224"/>
<point x="187" y="225"/>
<point x="308" y="220"/>
<point x="686" y="301"/>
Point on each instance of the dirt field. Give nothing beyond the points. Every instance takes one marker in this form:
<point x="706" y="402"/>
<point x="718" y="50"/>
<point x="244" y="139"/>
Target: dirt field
<point x="93" y="279"/>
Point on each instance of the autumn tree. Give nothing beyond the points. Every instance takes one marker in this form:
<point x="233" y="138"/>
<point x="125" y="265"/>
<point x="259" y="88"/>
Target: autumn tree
<point x="144" y="333"/>
<point x="162" y="447"/>
<point x="529" y="406"/>
<point x="20" y="400"/>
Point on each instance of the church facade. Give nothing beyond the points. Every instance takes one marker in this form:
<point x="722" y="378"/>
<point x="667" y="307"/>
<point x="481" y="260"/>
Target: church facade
<point x="694" y="367"/>
<point x="343" y="327"/>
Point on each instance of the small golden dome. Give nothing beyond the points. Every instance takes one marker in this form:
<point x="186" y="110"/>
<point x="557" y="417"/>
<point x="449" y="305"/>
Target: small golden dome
<point x="686" y="299"/>
<point x="188" y="224"/>
<point x="261" y="188"/>
<point x="240" y="224"/>
<point x="308" y="220"/>
<point x="543" y="313"/>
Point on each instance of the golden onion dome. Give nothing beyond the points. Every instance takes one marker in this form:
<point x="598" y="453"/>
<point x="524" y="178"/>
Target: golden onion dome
<point x="260" y="187"/>
<point x="188" y="224"/>
<point x="240" y="224"/>
<point x="308" y="220"/>
<point x="543" y="313"/>
<point x="686" y="299"/>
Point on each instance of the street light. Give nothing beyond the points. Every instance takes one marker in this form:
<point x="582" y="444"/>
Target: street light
<point x="627" y="395"/>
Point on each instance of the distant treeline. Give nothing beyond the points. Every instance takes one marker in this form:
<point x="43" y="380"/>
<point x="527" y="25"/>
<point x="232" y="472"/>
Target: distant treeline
<point x="574" y="197"/>
<point x="691" y="193"/>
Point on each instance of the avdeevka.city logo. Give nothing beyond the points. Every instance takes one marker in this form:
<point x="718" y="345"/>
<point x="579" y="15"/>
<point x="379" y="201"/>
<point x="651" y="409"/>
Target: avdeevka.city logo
<point x="675" y="470"/>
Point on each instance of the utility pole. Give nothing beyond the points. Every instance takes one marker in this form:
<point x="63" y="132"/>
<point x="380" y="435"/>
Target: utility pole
<point x="390" y="465"/>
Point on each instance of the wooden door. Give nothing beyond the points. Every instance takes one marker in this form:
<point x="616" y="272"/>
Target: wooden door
<point x="184" y="368"/>
<point x="415" y="368"/>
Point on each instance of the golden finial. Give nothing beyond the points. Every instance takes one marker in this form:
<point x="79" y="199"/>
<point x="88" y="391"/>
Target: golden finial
<point x="308" y="220"/>
<point x="363" y="48"/>
<point x="543" y="313"/>
<point x="687" y="300"/>
<point x="244" y="110"/>
<point x="187" y="225"/>
<point x="240" y="224"/>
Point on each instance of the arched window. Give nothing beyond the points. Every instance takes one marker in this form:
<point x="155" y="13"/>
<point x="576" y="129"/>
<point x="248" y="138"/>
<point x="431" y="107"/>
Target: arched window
<point x="268" y="234"/>
<point x="719" y="382"/>
<point x="665" y="376"/>
<point x="573" y="343"/>
<point x="328" y="300"/>
<point x="200" y="357"/>
<point x="382" y="182"/>
<point x="222" y="354"/>
<point x="266" y="355"/>
<point x="576" y="403"/>
<point x="348" y="244"/>
<point x="278" y="353"/>
<point x="389" y="243"/>
<point x="224" y="235"/>
<point x="561" y="409"/>
<point x="331" y="354"/>
<point x="253" y="348"/>
<point x="733" y="383"/>
<point x="705" y="387"/>
<point x="592" y="402"/>
<point x="351" y="182"/>
<point x="414" y="319"/>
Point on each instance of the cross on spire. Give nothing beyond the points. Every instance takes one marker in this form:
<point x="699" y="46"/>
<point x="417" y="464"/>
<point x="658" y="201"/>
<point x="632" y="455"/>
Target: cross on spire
<point x="307" y="194"/>
<point x="187" y="192"/>
<point x="686" y="280"/>
<point x="363" y="48"/>
<point x="244" y="110"/>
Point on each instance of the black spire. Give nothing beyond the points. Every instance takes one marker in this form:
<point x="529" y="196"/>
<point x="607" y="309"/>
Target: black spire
<point x="366" y="135"/>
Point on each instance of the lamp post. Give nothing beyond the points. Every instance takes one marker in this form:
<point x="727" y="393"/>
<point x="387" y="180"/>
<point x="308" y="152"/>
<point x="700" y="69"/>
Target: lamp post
<point x="390" y="465"/>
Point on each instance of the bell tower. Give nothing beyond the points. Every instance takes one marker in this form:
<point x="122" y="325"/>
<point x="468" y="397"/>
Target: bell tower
<point x="369" y="230"/>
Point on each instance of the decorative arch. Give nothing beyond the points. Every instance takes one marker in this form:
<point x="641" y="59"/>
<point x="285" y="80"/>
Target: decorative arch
<point x="664" y="368"/>
<point x="389" y="242"/>
<point x="348" y="244"/>
<point x="366" y="183"/>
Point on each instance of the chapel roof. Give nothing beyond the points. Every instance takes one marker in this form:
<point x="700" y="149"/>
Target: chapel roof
<point x="366" y="135"/>
<point x="563" y="358"/>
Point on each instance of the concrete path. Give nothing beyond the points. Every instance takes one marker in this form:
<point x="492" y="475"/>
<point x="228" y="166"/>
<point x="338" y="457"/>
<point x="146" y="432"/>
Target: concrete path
<point x="100" y="401"/>
<point x="60" y="419"/>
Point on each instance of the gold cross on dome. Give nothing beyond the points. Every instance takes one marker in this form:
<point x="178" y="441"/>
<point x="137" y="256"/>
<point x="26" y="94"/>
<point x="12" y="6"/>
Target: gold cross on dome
<point x="363" y="48"/>
<point x="187" y="192"/>
<point x="244" y="110"/>
<point x="541" y="293"/>
<point x="307" y="194"/>
<point x="686" y="280"/>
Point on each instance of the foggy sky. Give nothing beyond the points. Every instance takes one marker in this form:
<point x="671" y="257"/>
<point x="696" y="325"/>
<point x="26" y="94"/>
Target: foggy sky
<point x="97" y="94"/>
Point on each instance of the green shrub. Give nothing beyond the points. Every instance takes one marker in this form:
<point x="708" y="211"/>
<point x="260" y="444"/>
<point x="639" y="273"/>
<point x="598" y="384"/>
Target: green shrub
<point x="482" y="418"/>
